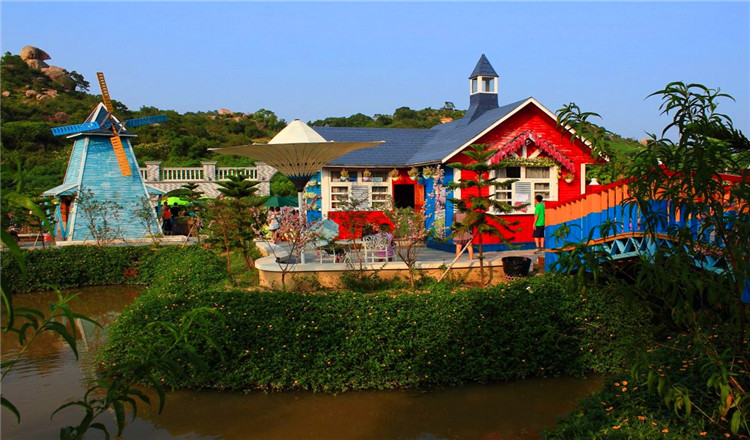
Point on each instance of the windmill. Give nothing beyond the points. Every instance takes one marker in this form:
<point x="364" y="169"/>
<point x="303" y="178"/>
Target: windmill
<point x="102" y="161"/>
<point x="112" y="123"/>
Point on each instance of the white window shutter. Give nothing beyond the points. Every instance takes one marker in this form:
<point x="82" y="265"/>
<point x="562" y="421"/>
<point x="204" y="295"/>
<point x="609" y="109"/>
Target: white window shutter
<point x="522" y="192"/>
<point x="360" y="196"/>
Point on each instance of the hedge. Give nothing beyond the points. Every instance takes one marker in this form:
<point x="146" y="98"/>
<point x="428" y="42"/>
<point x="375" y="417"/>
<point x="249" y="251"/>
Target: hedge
<point x="348" y="341"/>
<point x="77" y="266"/>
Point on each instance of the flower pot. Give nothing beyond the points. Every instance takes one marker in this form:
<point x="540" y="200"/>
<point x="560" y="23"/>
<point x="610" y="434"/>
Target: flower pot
<point x="569" y="179"/>
<point x="365" y="179"/>
<point x="516" y="266"/>
<point x="344" y="179"/>
<point x="413" y="177"/>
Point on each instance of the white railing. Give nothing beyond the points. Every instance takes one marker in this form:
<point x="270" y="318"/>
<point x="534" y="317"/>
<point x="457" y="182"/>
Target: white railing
<point x="178" y="174"/>
<point x="222" y="173"/>
<point x="182" y="174"/>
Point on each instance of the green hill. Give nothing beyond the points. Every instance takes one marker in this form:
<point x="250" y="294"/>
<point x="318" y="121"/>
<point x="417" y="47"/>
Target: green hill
<point x="33" y="103"/>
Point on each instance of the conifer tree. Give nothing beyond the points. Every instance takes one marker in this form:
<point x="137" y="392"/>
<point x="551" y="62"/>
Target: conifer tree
<point x="482" y="211"/>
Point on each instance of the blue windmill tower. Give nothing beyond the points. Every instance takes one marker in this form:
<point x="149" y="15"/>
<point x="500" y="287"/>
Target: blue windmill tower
<point x="102" y="164"/>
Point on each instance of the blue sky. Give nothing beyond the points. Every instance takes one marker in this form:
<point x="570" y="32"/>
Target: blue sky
<point x="311" y="60"/>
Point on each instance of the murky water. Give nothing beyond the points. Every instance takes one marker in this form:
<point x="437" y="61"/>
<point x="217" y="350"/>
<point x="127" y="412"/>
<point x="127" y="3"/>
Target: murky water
<point x="49" y="375"/>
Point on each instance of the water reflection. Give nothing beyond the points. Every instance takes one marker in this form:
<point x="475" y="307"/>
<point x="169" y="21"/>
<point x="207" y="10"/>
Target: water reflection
<point x="50" y="375"/>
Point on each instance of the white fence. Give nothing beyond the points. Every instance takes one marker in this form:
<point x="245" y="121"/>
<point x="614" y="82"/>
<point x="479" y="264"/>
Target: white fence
<point x="195" y="174"/>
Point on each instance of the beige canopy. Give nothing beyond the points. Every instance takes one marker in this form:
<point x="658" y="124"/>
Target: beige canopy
<point x="297" y="151"/>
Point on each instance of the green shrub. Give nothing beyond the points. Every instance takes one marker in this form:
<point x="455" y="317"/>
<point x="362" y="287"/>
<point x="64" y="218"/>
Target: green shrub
<point x="345" y="341"/>
<point x="76" y="266"/>
<point x="626" y="407"/>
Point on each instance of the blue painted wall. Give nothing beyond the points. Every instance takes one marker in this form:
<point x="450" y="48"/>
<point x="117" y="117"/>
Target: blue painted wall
<point x="74" y="164"/>
<point x="102" y="175"/>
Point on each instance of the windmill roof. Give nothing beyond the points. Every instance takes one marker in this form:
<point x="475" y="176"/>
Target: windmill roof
<point x="100" y="115"/>
<point x="483" y="68"/>
<point x="406" y="146"/>
<point x="62" y="190"/>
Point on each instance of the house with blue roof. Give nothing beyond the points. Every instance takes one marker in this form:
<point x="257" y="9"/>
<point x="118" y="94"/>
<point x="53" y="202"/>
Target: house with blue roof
<point x="550" y="163"/>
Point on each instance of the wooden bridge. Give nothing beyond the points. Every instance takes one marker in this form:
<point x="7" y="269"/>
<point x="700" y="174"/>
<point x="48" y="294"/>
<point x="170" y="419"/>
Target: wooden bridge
<point x="607" y="220"/>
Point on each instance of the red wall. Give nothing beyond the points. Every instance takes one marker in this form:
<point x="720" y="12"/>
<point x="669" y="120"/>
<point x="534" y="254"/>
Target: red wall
<point x="528" y="118"/>
<point x="351" y="222"/>
<point x="534" y="119"/>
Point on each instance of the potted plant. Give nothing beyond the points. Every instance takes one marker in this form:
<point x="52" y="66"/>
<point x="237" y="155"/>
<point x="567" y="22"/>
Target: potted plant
<point x="366" y="175"/>
<point x="413" y="173"/>
<point x="568" y="177"/>
<point x="394" y="174"/>
<point x="344" y="175"/>
<point x="428" y="172"/>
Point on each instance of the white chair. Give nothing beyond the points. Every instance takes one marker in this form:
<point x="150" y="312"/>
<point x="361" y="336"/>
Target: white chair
<point x="378" y="247"/>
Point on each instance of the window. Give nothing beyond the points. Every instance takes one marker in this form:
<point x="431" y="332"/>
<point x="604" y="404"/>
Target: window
<point x="488" y="84"/>
<point x="474" y="85"/>
<point x="372" y="194"/>
<point x="339" y="195"/>
<point x="532" y="181"/>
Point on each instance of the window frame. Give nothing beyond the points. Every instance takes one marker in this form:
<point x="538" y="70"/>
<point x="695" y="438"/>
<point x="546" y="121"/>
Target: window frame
<point x="552" y="191"/>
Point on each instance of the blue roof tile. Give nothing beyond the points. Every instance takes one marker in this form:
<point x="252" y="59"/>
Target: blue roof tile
<point x="483" y="68"/>
<point x="405" y="147"/>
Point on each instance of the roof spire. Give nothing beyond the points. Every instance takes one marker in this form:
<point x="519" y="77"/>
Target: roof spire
<point x="483" y="85"/>
<point x="483" y="68"/>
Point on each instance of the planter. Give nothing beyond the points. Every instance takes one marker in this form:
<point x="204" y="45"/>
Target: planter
<point x="344" y="179"/>
<point x="516" y="266"/>
<point x="569" y="179"/>
<point x="365" y="179"/>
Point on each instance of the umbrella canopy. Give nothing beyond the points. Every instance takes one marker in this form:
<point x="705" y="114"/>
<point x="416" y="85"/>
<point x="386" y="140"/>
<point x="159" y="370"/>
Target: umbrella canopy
<point x="297" y="151"/>
<point x="279" y="201"/>
<point x="172" y="200"/>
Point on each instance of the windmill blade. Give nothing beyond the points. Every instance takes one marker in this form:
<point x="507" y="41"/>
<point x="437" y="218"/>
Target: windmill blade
<point x="75" y="128"/>
<point x="105" y="92"/>
<point x="122" y="160"/>
<point x="130" y="123"/>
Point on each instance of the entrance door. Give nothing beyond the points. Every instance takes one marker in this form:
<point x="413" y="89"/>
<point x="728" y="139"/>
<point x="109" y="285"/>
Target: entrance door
<point x="403" y="196"/>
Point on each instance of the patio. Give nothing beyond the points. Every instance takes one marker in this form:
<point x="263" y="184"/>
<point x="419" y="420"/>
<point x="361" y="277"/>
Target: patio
<point x="430" y="262"/>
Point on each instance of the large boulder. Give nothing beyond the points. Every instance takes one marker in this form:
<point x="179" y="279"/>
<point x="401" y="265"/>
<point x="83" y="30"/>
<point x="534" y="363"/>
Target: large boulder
<point x="37" y="64"/>
<point x="34" y="57"/>
<point x="34" y="53"/>
<point x="54" y="73"/>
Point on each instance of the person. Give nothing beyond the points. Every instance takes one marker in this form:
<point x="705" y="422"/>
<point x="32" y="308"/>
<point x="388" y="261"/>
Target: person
<point x="460" y="239"/>
<point x="384" y="242"/>
<point x="274" y="222"/>
<point x="166" y="219"/>
<point x="539" y="223"/>
<point x="175" y="212"/>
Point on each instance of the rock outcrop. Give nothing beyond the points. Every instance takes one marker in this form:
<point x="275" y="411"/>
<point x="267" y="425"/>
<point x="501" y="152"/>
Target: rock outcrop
<point x="35" y="57"/>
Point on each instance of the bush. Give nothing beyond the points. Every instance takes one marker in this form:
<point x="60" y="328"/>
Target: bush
<point x="73" y="266"/>
<point x="346" y="341"/>
<point x="627" y="407"/>
<point x="77" y="266"/>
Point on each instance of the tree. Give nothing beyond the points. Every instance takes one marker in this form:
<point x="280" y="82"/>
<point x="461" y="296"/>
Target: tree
<point x="409" y="234"/>
<point x="482" y="212"/>
<point x="241" y="198"/>
<point x="101" y="217"/>
<point x="687" y="175"/>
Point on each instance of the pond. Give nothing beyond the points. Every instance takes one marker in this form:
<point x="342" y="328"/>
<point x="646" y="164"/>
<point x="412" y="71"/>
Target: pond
<point x="49" y="375"/>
